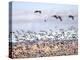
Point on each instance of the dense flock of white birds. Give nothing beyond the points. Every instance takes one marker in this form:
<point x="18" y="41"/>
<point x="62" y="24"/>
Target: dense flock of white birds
<point x="44" y="35"/>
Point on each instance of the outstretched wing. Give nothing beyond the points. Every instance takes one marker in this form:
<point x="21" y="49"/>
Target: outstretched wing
<point x="55" y="16"/>
<point x="60" y="18"/>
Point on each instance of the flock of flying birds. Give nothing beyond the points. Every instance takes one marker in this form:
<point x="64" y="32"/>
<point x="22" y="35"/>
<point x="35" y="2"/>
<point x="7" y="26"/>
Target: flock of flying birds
<point x="55" y="16"/>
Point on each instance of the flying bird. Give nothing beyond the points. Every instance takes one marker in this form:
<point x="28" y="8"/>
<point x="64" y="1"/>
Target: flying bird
<point x="38" y="11"/>
<point x="60" y="18"/>
<point x="70" y="16"/>
<point x="57" y="17"/>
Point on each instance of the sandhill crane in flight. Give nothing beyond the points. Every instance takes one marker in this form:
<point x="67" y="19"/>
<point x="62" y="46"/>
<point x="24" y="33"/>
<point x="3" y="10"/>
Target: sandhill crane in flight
<point x="70" y="16"/>
<point x="57" y="17"/>
<point x="38" y="11"/>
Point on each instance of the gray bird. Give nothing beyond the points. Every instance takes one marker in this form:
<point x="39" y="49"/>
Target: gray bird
<point x="38" y="11"/>
<point x="57" y="17"/>
<point x="70" y="16"/>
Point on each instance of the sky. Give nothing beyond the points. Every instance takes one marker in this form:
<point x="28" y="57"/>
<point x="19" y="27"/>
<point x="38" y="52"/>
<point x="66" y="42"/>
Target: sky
<point x="23" y="16"/>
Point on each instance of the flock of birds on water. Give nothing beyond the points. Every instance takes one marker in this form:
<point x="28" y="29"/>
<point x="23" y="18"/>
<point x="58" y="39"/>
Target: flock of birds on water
<point x="55" y="16"/>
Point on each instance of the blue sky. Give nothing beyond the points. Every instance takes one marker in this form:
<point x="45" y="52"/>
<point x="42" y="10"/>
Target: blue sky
<point x="31" y="5"/>
<point x="23" y="16"/>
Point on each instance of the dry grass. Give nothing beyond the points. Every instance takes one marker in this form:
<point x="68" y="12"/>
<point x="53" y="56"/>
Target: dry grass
<point x="46" y="48"/>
